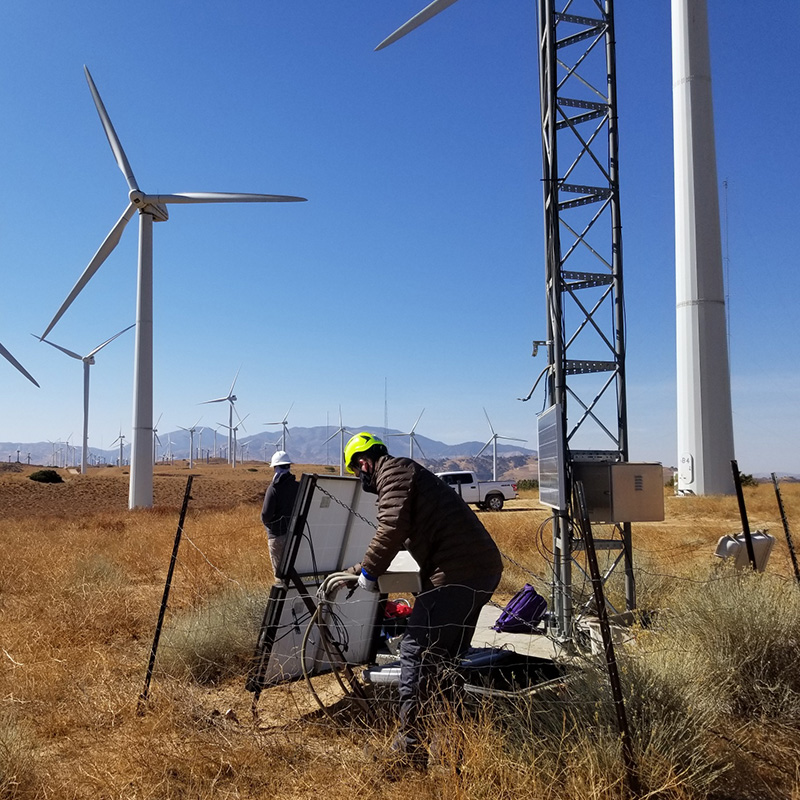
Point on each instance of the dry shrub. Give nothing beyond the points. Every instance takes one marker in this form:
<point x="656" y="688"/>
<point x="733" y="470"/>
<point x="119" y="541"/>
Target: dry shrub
<point x="18" y="767"/>
<point x="735" y="642"/>
<point x="214" y="640"/>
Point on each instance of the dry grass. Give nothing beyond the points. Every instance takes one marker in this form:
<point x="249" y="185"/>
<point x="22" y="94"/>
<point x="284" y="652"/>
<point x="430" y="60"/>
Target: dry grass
<point x="80" y="588"/>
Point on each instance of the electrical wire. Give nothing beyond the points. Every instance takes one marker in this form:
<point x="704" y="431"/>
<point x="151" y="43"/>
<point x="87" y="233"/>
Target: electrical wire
<point x="326" y="590"/>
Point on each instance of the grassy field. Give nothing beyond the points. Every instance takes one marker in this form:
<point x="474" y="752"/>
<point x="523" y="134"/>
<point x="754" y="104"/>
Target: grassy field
<point x="713" y="691"/>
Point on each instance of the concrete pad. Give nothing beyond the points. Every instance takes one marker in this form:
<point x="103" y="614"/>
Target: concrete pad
<point x="529" y="644"/>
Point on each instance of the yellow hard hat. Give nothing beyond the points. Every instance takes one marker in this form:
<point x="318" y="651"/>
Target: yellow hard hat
<point x="359" y="443"/>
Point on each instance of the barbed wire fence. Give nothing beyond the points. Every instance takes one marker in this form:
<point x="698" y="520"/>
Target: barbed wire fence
<point x="221" y="581"/>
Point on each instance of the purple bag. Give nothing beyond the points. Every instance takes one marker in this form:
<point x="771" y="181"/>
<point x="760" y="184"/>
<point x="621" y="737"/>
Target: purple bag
<point x="523" y="612"/>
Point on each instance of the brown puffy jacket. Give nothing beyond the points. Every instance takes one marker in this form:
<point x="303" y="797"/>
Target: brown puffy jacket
<point x="418" y="511"/>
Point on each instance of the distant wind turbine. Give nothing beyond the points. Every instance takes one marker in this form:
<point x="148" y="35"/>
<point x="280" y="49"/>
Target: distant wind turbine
<point x="121" y="440"/>
<point x="191" y="432"/>
<point x="12" y="360"/>
<point x="284" y="427"/>
<point x="152" y="208"/>
<point x="493" y="442"/>
<point x="233" y="431"/>
<point x="230" y="398"/>
<point x="340" y="432"/>
<point x="88" y="361"/>
<point x="412" y="437"/>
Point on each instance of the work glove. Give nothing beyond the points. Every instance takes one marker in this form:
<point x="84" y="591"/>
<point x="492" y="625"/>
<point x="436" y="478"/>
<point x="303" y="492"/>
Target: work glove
<point x="354" y="570"/>
<point x="367" y="582"/>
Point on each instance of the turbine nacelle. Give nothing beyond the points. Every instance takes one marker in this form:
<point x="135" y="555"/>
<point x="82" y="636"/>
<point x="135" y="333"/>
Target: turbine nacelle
<point x="148" y="205"/>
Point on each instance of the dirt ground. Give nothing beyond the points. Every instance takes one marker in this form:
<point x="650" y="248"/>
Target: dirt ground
<point x="215" y="486"/>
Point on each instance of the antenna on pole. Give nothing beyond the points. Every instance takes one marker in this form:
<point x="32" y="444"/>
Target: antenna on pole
<point x="385" y="406"/>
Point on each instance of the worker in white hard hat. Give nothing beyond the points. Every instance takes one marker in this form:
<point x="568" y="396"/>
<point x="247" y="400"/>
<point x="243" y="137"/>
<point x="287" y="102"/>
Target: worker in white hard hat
<point x="277" y="509"/>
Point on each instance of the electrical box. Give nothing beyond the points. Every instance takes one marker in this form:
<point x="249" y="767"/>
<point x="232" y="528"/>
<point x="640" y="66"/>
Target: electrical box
<point x="622" y="491"/>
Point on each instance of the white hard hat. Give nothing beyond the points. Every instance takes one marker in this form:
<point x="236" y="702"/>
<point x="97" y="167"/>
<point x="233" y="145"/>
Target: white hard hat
<point x="280" y="459"/>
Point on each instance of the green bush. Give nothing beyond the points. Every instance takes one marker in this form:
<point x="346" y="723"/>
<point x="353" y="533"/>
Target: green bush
<point x="527" y="483"/>
<point x="46" y="476"/>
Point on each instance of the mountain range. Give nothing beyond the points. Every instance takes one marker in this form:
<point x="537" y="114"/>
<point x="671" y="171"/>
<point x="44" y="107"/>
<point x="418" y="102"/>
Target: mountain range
<point x="304" y="445"/>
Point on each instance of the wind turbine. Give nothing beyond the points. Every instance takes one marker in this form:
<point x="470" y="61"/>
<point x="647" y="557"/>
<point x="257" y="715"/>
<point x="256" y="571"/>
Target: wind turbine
<point x="493" y="442"/>
<point x="284" y="426"/>
<point x="412" y="438"/>
<point x="231" y="399"/>
<point x="152" y="208"/>
<point x="232" y="431"/>
<point x="340" y="432"/>
<point x="88" y="361"/>
<point x="191" y="431"/>
<point x="12" y="360"/>
<point x="121" y="440"/>
<point x="156" y="440"/>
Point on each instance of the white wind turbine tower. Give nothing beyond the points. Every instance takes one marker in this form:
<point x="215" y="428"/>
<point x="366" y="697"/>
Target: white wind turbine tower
<point x="493" y="442"/>
<point x="191" y="432"/>
<point x="230" y="398"/>
<point x="152" y="208"/>
<point x="14" y="362"/>
<point x="412" y="437"/>
<point x="340" y="432"/>
<point x="284" y="427"/>
<point x="88" y="361"/>
<point x="705" y="418"/>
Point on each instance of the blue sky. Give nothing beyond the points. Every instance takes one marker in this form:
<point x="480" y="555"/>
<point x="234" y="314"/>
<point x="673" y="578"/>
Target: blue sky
<point x="417" y="264"/>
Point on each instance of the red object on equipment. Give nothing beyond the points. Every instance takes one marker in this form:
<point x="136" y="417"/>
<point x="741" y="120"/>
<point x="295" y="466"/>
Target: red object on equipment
<point x="397" y="608"/>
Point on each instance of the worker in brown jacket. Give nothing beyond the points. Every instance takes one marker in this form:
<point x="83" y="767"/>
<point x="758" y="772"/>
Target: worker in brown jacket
<point x="460" y="567"/>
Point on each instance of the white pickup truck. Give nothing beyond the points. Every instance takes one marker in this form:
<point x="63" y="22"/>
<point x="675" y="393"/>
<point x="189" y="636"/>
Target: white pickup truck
<point x="488" y="495"/>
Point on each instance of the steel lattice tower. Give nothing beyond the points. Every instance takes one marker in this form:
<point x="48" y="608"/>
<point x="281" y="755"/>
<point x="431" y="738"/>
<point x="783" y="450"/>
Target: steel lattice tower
<point x="583" y="244"/>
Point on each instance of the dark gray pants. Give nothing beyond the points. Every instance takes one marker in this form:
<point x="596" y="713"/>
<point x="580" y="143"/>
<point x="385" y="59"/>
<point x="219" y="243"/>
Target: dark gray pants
<point x="439" y="631"/>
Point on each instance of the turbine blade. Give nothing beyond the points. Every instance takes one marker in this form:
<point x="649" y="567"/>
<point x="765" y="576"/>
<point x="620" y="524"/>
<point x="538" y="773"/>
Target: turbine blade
<point x="58" y="347"/>
<point x="418" y="419"/>
<point x="218" y="400"/>
<point x="512" y="438"/>
<point x="12" y="360"/>
<point x="429" y="11"/>
<point x="108" y="341"/>
<point x="235" y="378"/>
<point x="488" y="420"/>
<point x="221" y="197"/>
<point x="483" y="448"/>
<point x="111" y="241"/>
<point x="111" y="135"/>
